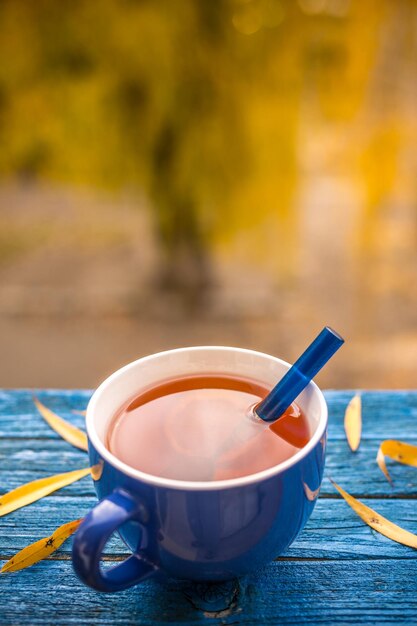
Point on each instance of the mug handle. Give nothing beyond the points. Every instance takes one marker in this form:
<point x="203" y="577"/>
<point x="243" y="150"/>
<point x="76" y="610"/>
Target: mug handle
<point x="92" y="536"/>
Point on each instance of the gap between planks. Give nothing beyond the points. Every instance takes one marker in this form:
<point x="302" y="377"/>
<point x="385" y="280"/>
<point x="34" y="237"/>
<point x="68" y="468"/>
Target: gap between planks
<point x="323" y="496"/>
<point x="116" y="558"/>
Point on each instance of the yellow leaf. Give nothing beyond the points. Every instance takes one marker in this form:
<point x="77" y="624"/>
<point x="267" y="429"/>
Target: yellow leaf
<point x="40" y="549"/>
<point x="67" y="431"/>
<point x="37" y="489"/>
<point x="377" y="522"/>
<point x="397" y="451"/>
<point x="79" y="412"/>
<point x="353" y="422"/>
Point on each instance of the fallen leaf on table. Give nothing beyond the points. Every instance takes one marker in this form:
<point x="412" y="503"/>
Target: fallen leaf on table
<point x="353" y="422"/>
<point x="37" y="489"/>
<point x="67" y="431"/>
<point x="404" y="453"/>
<point x="377" y="522"/>
<point x="40" y="549"/>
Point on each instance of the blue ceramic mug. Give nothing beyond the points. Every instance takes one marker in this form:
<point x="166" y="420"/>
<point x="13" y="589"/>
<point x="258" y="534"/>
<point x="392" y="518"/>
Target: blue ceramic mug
<point x="194" y="530"/>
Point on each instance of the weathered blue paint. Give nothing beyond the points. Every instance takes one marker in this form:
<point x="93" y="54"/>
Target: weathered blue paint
<point x="332" y="533"/>
<point x="337" y="571"/>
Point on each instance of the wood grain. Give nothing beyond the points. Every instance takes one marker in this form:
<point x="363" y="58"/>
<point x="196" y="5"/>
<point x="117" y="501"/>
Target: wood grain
<point x="25" y="460"/>
<point x="285" y="592"/>
<point x="338" y="570"/>
<point x="333" y="531"/>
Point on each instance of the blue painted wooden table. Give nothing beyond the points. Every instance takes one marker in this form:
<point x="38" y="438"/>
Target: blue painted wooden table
<point x="338" y="570"/>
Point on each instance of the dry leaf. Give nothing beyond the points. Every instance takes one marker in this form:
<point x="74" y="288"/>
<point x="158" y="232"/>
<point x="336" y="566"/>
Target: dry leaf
<point x="377" y="522"/>
<point x="37" y="489"/>
<point x="353" y="422"/>
<point x="40" y="549"/>
<point x="397" y="451"/>
<point x="67" y="431"/>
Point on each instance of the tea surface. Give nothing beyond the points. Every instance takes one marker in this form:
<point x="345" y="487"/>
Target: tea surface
<point x="201" y="428"/>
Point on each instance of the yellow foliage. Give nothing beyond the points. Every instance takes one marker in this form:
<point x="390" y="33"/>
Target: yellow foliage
<point x="399" y="451"/>
<point x="67" y="431"/>
<point x="378" y="522"/>
<point x="37" y="489"/>
<point x="40" y="549"/>
<point x="353" y="422"/>
<point x="203" y="104"/>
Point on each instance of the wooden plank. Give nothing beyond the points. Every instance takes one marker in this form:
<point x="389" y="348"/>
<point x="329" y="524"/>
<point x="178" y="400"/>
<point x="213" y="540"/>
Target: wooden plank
<point x="386" y="414"/>
<point x="20" y="418"/>
<point x="25" y="460"/>
<point x="333" y="531"/>
<point x="286" y="592"/>
<point x="359" y="473"/>
<point x="338" y="570"/>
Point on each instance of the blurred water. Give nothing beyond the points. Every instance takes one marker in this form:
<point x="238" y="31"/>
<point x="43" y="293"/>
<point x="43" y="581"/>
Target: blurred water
<point x="71" y="313"/>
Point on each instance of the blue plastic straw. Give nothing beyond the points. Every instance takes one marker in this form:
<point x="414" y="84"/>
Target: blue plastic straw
<point x="299" y="375"/>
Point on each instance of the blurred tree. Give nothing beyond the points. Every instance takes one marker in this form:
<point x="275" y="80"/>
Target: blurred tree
<point x="198" y="102"/>
<point x="128" y="92"/>
<point x="193" y="146"/>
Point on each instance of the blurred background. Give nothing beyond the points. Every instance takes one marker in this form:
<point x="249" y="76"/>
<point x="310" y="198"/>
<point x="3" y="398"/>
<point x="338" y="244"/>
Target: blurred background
<point x="237" y="172"/>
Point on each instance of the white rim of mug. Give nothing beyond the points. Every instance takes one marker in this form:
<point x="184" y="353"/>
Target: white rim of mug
<point x="190" y="485"/>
